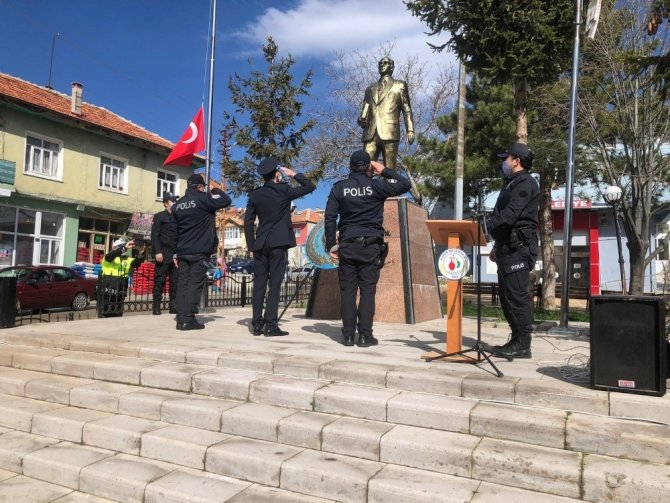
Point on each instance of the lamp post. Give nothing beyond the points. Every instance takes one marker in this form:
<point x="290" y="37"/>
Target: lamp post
<point x="612" y="197"/>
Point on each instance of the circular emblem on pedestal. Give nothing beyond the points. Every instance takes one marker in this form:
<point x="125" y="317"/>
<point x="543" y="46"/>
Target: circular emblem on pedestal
<point x="453" y="263"/>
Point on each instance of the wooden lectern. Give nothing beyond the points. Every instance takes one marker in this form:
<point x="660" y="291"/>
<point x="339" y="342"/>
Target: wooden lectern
<point x="455" y="234"/>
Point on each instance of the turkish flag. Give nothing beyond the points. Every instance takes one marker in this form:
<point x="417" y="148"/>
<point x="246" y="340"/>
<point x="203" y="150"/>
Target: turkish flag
<point x="192" y="141"/>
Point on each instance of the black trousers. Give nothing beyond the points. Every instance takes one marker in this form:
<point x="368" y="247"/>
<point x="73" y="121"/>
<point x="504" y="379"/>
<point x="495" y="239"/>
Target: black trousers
<point x="269" y="268"/>
<point x="162" y="271"/>
<point x="192" y="278"/>
<point x="358" y="272"/>
<point x="514" y="283"/>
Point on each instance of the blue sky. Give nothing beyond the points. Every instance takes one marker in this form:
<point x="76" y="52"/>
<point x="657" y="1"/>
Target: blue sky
<point x="146" y="59"/>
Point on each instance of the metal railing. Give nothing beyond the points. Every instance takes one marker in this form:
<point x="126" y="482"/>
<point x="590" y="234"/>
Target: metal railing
<point x="232" y="290"/>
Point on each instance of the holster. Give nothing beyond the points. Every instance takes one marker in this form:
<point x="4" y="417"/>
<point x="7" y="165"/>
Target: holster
<point x="383" y="252"/>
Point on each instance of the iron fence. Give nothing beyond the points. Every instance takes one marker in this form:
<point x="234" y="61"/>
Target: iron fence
<point x="232" y="290"/>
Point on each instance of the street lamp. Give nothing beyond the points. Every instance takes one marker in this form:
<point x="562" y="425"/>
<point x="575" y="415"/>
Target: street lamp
<point x="612" y="197"/>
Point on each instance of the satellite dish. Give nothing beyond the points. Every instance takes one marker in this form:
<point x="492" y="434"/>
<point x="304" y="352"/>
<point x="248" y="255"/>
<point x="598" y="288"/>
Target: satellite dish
<point x="315" y="247"/>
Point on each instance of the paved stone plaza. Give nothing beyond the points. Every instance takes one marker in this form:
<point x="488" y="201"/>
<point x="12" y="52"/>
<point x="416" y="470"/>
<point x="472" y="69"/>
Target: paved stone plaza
<point x="130" y="409"/>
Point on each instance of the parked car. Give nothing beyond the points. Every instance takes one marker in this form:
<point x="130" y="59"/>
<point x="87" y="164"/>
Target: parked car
<point x="243" y="266"/>
<point x="48" y="286"/>
<point x="299" y="273"/>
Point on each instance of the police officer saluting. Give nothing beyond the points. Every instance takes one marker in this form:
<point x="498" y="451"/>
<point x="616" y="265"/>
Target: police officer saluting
<point x="359" y="202"/>
<point x="194" y="223"/>
<point x="271" y="203"/>
<point x="513" y="225"/>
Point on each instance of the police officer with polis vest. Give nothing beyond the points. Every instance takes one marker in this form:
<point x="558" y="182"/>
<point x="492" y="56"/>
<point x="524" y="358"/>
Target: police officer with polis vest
<point x="164" y="245"/>
<point x="115" y="272"/>
<point x="359" y="203"/>
<point x="193" y="221"/>
<point x="270" y="241"/>
<point x="513" y="225"/>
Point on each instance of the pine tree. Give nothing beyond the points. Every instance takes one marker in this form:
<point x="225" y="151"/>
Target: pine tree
<point x="267" y="107"/>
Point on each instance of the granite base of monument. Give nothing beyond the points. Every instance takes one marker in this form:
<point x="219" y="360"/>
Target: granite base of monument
<point x="408" y="290"/>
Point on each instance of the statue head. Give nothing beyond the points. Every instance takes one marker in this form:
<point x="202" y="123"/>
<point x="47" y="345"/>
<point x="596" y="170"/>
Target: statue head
<point x="386" y="66"/>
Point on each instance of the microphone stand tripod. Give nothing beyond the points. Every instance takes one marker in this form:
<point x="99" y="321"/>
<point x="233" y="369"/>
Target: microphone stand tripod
<point x="482" y="352"/>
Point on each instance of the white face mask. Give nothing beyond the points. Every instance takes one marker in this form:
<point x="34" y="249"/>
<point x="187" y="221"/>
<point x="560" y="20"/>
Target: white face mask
<point x="506" y="168"/>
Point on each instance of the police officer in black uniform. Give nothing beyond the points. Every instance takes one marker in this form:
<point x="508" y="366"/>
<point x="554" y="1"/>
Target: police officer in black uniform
<point x="271" y="203"/>
<point x="164" y="244"/>
<point x="513" y="225"/>
<point x="193" y="220"/>
<point x="359" y="202"/>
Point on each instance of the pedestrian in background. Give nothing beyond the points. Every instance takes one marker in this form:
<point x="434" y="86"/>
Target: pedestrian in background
<point x="164" y="245"/>
<point x="270" y="242"/>
<point x="194" y="224"/>
<point x="359" y="203"/>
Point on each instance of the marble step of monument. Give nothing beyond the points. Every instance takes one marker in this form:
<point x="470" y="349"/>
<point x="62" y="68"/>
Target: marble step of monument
<point x="369" y="436"/>
<point x="84" y="357"/>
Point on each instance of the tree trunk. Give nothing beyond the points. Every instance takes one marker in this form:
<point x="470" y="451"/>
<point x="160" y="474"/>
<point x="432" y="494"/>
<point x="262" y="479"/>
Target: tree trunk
<point x="636" y="254"/>
<point x="547" y="246"/>
<point x="520" y="109"/>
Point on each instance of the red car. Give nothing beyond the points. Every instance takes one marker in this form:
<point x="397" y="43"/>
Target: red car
<point x="50" y="286"/>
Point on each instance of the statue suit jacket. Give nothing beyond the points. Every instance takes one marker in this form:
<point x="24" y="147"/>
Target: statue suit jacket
<point x="381" y="111"/>
<point x="272" y="204"/>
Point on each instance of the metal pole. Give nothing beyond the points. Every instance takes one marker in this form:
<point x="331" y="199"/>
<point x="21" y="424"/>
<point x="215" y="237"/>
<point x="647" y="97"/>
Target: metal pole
<point x="622" y="270"/>
<point x="51" y="61"/>
<point x="460" y="145"/>
<point x="210" y="105"/>
<point x="567" y="222"/>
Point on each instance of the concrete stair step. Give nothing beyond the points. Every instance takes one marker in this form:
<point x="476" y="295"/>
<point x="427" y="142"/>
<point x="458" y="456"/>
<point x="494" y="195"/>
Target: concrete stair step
<point x="275" y="398"/>
<point x="238" y="470"/>
<point x="85" y="356"/>
<point x="367" y="445"/>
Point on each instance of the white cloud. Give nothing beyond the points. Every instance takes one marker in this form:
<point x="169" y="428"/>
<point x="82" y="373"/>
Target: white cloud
<point x="321" y="28"/>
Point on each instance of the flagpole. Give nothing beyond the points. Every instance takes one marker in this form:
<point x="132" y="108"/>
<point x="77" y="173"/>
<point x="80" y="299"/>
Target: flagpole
<point x="210" y="105"/>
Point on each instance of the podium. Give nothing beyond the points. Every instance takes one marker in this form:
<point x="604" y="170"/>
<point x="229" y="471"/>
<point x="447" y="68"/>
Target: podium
<point x="454" y="234"/>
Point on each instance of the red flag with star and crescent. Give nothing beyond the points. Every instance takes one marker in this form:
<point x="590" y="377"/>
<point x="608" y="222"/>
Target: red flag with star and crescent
<point x="191" y="142"/>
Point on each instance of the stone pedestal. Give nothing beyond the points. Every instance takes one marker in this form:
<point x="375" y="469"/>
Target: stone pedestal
<point x="408" y="290"/>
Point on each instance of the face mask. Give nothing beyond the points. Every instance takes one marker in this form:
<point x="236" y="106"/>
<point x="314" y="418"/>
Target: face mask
<point x="506" y="168"/>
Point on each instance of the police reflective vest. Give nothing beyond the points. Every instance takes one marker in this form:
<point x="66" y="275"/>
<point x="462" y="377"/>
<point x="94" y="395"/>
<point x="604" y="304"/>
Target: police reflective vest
<point x="119" y="267"/>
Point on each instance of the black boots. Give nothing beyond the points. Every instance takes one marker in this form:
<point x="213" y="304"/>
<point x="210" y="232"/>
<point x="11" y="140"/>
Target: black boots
<point x="157" y="309"/>
<point x="275" y="332"/>
<point x="364" y="342"/>
<point x="517" y="347"/>
<point x="348" y="340"/>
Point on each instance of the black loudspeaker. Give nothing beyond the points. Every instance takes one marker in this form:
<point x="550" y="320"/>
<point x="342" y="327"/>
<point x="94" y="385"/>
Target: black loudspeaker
<point x="628" y="344"/>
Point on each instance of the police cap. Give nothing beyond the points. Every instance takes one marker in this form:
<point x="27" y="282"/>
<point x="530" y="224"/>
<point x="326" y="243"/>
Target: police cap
<point x="359" y="159"/>
<point x="268" y="165"/>
<point x="195" y="180"/>
<point x="520" y="150"/>
<point x="169" y="196"/>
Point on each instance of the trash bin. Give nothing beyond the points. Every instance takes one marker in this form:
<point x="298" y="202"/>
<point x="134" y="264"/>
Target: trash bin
<point x="7" y="302"/>
<point x="110" y="295"/>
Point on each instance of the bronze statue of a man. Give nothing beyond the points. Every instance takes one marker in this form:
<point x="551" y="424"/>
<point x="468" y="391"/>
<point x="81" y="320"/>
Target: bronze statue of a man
<point x="380" y="115"/>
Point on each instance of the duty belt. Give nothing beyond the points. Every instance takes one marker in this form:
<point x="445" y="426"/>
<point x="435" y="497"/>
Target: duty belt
<point x="365" y="240"/>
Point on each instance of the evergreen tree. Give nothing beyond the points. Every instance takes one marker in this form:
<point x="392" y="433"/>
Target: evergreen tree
<point x="264" y="122"/>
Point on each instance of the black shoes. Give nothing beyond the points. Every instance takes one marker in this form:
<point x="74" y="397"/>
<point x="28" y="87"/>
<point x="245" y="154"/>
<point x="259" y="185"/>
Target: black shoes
<point x="190" y="325"/>
<point x="157" y="310"/>
<point x="515" y="350"/>
<point x="258" y="330"/>
<point x="348" y="340"/>
<point x="275" y="332"/>
<point x="364" y="342"/>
